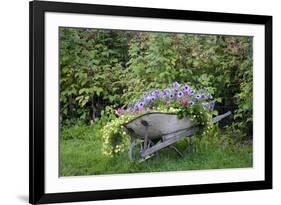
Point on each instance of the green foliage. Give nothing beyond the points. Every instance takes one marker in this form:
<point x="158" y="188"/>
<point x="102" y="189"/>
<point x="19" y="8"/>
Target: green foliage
<point x="198" y="113"/>
<point x="90" y="65"/>
<point x="115" y="139"/>
<point x="214" y="150"/>
<point x="100" y="68"/>
<point x="243" y="116"/>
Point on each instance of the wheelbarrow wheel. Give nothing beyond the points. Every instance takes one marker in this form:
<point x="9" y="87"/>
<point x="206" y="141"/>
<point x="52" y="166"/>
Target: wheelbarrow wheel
<point x="135" y="151"/>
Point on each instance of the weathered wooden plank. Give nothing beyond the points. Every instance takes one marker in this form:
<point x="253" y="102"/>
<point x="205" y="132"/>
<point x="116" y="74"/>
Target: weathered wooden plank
<point x="169" y="141"/>
<point x="220" y="117"/>
<point x="158" y="124"/>
<point x="173" y="134"/>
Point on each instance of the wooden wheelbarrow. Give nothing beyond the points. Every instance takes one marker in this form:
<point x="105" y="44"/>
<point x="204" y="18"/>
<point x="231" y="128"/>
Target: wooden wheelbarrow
<point x="154" y="131"/>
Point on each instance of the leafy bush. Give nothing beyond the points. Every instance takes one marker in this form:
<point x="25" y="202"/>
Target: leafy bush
<point x="100" y="68"/>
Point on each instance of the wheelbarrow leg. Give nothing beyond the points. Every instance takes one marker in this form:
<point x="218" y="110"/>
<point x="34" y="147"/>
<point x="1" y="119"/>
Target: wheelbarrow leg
<point x="135" y="150"/>
<point x="146" y="138"/>
<point x="131" y="151"/>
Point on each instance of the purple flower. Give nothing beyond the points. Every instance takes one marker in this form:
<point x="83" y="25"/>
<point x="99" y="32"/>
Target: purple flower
<point x="203" y="96"/>
<point x="148" y="100"/>
<point x="154" y="97"/>
<point x="191" y="92"/>
<point x="191" y="103"/>
<point x="212" y="105"/>
<point x="185" y="89"/>
<point x="176" y="85"/>
<point x="184" y="95"/>
<point x="167" y="91"/>
<point x="180" y="94"/>
<point x="164" y="94"/>
<point x="198" y="96"/>
<point x="140" y="106"/>
<point x="155" y="93"/>
<point x="136" y="108"/>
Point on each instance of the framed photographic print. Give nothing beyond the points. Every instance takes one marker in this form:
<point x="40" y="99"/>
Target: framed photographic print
<point x="141" y="102"/>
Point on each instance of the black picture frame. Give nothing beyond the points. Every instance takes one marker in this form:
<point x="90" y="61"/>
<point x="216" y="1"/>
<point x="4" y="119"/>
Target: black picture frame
<point x="37" y="10"/>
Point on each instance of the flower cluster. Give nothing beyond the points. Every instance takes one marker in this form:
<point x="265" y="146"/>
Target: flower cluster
<point x="183" y="100"/>
<point x="171" y="96"/>
<point x="115" y="138"/>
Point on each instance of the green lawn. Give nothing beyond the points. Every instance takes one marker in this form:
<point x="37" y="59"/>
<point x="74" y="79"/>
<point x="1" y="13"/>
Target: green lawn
<point x="81" y="154"/>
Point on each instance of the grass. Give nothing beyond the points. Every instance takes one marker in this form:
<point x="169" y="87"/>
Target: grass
<point x="81" y="154"/>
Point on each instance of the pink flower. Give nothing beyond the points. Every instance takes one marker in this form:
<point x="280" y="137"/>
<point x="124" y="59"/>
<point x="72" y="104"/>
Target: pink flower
<point x="185" y="103"/>
<point x="119" y="111"/>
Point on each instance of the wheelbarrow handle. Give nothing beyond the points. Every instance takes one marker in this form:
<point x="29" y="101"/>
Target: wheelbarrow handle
<point x="220" y="117"/>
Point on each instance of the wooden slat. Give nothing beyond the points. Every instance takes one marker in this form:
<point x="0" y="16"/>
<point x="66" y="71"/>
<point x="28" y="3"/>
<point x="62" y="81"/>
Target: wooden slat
<point x="176" y="137"/>
<point x="220" y="117"/>
<point x="173" y="134"/>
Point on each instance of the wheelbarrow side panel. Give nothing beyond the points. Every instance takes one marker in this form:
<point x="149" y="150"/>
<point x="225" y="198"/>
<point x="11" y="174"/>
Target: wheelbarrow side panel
<point x="154" y="125"/>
